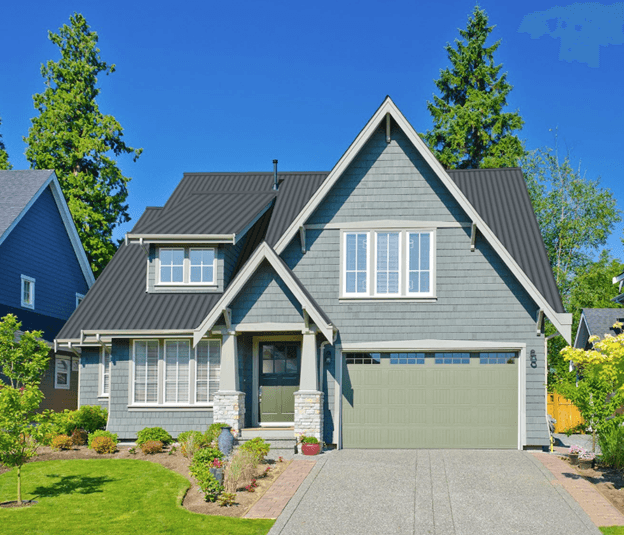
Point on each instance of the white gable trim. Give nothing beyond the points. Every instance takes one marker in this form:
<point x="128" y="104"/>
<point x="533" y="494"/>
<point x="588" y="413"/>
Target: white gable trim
<point x="263" y="252"/>
<point x="562" y="322"/>
<point x="578" y="330"/>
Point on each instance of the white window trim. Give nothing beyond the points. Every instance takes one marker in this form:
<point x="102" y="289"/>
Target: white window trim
<point x="56" y="372"/>
<point x="404" y="292"/>
<point x="373" y="254"/>
<point x="343" y="267"/>
<point x="186" y="269"/>
<point x="103" y="372"/>
<point x="79" y="298"/>
<point x="160" y="404"/>
<point x="31" y="305"/>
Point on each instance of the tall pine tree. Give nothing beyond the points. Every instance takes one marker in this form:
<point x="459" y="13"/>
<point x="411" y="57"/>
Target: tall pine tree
<point x="74" y="138"/>
<point x="470" y="128"/>
<point x="4" y="156"/>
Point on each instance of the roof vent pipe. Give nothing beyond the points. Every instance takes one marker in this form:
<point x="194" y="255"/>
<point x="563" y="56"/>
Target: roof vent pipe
<point x="275" y="184"/>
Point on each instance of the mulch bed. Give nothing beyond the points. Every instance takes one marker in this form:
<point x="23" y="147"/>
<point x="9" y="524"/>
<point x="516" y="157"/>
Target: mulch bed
<point x="608" y="482"/>
<point x="175" y="461"/>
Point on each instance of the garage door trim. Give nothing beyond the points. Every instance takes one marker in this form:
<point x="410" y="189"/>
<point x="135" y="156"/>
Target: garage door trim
<point x="436" y="345"/>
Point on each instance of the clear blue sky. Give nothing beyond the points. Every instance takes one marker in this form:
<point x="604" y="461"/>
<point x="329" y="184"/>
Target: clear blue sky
<point x="228" y="86"/>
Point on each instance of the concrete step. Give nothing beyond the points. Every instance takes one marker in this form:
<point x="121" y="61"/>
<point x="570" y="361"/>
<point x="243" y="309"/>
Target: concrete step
<point x="281" y="440"/>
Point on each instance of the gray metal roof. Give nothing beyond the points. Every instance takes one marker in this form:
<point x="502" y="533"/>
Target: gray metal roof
<point x="501" y="198"/>
<point x="17" y="188"/>
<point x="600" y="321"/>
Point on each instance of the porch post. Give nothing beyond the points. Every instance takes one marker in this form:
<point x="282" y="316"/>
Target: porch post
<point x="309" y="400"/>
<point x="229" y="402"/>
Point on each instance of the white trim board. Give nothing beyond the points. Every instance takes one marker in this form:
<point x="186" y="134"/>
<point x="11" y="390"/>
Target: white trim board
<point x="562" y="321"/>
<point x="263" y="252"/>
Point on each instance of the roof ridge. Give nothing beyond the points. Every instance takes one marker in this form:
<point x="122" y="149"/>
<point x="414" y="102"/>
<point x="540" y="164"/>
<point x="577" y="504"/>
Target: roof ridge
<point x="267" y="173"/>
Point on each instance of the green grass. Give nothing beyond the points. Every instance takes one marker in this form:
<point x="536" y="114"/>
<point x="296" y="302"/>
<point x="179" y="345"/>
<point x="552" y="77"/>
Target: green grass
<point x="613" y="530"/>
<point x="108" y="496"/>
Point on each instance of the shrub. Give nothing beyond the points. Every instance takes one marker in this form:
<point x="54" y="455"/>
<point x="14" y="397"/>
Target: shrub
<point x="257" y="447"/>
<point x="226" y="499"/>
<point x="90" y="418"/>
<point x="612" y="446"/>
<point x="153" y="433"/>
<point x="79" y="437"/>
<point x="100" y="433"/>
<point x="240" y="470"/>
<point x="206" y="456"/>
<point x="309" y="440"/>
<point x="213" y="431"/>
<point x="206" y="481"/>
<point x="104" y="444"/>
<point x="190" y="442"/>
<point x="152" y="446"/>
<point x="61" y="442"/>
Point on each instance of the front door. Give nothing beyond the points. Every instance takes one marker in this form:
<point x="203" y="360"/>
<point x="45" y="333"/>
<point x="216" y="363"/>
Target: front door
<point x="279" y="380"/>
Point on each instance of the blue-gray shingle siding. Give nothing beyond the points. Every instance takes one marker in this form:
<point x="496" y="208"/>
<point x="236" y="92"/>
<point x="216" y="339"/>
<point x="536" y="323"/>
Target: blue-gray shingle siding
<point x="90" y="378"/>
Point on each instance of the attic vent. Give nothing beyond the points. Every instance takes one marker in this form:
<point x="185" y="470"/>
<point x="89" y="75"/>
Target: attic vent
<point x="275" y="184"/>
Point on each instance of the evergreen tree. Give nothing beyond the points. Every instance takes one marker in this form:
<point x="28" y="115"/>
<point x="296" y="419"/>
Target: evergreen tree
<point x="74" y="138"/>
<point x="470" y="128"/>
<point x="4" y="156"/>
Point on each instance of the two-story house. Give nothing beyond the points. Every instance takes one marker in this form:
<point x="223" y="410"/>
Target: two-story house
<point x="44" y="271"/>
<point x="386" y="303"/>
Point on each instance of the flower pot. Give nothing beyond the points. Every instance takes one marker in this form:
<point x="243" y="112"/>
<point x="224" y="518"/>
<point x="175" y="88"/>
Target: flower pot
<point x="226" y="441"/>
<point x="585" y="464"/>
<point x="217" y="473"/>
<point x="310" y="449"/>
<point x="573" y="458"/>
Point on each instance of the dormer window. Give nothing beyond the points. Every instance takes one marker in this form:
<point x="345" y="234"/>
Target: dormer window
<point x="186" y="266"/>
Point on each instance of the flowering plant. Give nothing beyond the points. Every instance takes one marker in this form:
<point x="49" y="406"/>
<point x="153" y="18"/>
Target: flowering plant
<point x="216" y="463"/>
<point x="576" y="450"/>
<point x="587" y="456"/>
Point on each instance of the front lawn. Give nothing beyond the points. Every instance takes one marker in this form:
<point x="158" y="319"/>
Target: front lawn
<point x="108" y="496"/>
<point x="613" y="530"/>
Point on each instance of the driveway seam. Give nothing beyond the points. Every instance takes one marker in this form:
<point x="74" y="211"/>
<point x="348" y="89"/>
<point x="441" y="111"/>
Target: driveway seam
<point x="448" y="492"/>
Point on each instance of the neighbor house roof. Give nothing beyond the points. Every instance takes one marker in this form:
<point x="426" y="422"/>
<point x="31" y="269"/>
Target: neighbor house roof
<point x="597" y="322"/>
<point x="19" y="190"/>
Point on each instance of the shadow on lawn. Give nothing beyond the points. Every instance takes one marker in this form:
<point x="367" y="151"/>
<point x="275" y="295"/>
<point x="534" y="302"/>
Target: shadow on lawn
<point x="72" y="484"/>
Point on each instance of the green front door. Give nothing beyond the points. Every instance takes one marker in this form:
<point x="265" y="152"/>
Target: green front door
<point x="279" y="380"/>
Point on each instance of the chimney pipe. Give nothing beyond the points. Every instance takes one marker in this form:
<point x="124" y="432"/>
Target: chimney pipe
<point x="275" y="184"/>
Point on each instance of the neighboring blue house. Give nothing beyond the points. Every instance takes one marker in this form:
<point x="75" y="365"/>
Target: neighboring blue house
<point x="44" y="270"/>
<point x="388" y="303"/>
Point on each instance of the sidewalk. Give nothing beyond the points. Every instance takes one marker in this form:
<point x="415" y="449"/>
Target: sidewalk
<point x="597" y="507"/>
<point x="282" y="490"/>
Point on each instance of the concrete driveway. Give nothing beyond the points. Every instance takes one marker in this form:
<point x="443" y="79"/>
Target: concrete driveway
<point x="431" y="492"/>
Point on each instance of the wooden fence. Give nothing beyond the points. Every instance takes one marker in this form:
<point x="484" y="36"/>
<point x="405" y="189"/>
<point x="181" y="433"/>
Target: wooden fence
<point x="562" y="410"/>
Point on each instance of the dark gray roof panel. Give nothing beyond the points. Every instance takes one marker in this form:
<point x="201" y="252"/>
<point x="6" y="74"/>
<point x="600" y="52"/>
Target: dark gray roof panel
<point x="17" y="188"/>
<point x="600" y="320"/>
<point x="118" y="300"/>
<point x="501" y="198"/>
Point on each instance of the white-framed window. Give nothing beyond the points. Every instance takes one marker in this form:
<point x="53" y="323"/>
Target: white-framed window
<point x="186" y="266"/>
<point x="145" y="358"/>
<point x="62" y="372"/>
<point x="207" y="374"/>
<point x="105" y="369"/>
<point x="28" y="292"/>
<point x="79" y="298"/>
<point x="356" y="263"/>
<point x="170" y="373"/>
<point x="402" y="263"/>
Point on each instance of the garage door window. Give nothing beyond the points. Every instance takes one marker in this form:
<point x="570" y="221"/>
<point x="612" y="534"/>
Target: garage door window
<point x="496" y="358"/>
<point x="363" y="358"/>
<point x="452" y="358"/>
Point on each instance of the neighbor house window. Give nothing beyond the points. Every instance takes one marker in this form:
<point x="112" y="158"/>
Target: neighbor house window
<point x="402" y="264"/>
<point x="208" y="362"/>
<point x="79" y="298"/>
<point x="105" y="362"/>
<point x="28" y="292"/>
<point x="146" y="371"/>
<point x="193" y="266"/>
<point x="356" y="263"/>
<point x="62" y="371"/>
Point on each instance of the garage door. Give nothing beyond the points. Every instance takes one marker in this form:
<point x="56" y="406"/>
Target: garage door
<point x="430" y="400"/>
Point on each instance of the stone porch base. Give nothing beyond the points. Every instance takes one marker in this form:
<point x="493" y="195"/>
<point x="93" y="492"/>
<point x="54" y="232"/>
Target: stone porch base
<point x="229" y="408"/>
<point x="309" y="414"/>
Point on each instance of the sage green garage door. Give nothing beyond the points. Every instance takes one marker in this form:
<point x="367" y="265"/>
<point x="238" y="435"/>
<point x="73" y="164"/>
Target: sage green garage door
<point x="429" y="405"/>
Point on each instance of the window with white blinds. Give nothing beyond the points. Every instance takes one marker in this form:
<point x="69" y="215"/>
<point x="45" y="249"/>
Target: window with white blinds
<point x="387" y="272"/>
<point x="146" y="371"/>
<point x="208" y="361"/>
<point x="105" y="381"/>
<point x="177" y="371"/>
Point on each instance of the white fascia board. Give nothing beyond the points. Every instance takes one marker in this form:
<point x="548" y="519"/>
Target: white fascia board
<point x="263" y="252"/>
<point x="181" y="238"/>
<point x="430" y="345"/>
<point x="562" y="321"/>
<point x="68" y="221"/>
<point x="619" y="278"/>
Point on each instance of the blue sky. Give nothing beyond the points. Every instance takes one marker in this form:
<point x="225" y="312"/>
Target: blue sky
<point x="229" y="86"/>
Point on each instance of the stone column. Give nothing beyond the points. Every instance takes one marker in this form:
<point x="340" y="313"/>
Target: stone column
<point x="309" y="400"/>
<point x="229" y="402"/>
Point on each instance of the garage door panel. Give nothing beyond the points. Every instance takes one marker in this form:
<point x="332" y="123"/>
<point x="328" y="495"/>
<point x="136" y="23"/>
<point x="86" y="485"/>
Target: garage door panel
<point x="416" y="406"/>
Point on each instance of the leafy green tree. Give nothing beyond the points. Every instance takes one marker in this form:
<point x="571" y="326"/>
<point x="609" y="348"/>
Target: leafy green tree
<point x="470" y="128"/>
<point x="74" y="138"/>
<point x="23" y="358"/>
<point x="4" y="156"/>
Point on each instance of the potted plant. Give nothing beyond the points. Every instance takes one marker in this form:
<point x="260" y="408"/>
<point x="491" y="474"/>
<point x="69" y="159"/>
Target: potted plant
<point x="586" y="460"/>
<point x="310" y="445"/>
<point x="216" y="469"/>
<point x="575" y="451"/>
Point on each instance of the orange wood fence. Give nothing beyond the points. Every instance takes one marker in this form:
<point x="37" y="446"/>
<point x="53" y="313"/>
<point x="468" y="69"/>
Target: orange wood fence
<point x="562" y="410"/>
